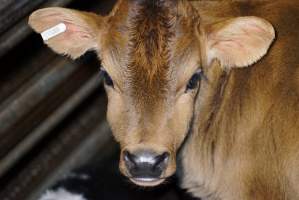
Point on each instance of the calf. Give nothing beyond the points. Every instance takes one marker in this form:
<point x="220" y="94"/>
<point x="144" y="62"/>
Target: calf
<point x="178" y="80"/>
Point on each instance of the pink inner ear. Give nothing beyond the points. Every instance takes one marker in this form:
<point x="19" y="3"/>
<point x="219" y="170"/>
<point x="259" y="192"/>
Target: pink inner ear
<point x="255" y="28"/>
<point x="239" y="42"/>
<point x="79" y="36"/>
<point x="230" y="44"/>
<point x="76" y="31"/>
<point x="72" y="30"/>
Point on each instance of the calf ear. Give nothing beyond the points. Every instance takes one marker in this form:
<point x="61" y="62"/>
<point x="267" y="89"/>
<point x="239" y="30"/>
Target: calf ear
<point x="239" y="42"/>
<point x="79" y="33"/>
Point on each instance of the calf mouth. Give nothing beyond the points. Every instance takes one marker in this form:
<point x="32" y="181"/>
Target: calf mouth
<point x="147" y="182"/>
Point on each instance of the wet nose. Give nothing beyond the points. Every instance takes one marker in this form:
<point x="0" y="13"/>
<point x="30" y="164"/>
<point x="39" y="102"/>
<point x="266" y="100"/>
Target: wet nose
<point x="145" y="164"/>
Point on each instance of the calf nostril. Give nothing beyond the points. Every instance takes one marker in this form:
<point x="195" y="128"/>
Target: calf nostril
<point x="161" y="160"/>
<point x="129" y="158"/>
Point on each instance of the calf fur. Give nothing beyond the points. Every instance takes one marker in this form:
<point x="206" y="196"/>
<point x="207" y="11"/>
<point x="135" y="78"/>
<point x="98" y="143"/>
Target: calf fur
<point x="194" y="76"/>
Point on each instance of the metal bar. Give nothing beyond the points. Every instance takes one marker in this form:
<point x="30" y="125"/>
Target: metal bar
<point x="30" y="95"/>
<point x="13" y="75"/>
<point x="58" y="149"/>
<point x="14" y="12"/>
<point x="50" y="136"/>
<point x="96" y="142"/>
<point x="12" y="37"/>
<point x="49" y="124"/>
<point x="4" y="4"/>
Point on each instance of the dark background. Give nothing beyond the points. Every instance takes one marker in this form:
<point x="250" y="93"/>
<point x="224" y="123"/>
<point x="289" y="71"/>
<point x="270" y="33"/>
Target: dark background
<point x="52" y="115"/>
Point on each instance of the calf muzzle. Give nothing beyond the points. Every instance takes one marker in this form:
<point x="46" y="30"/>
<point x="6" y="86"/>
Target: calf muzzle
<point x="145" y="166"/>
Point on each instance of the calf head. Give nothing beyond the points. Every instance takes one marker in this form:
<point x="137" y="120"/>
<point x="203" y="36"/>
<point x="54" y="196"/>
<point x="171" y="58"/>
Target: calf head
<point x="154" y="55"/>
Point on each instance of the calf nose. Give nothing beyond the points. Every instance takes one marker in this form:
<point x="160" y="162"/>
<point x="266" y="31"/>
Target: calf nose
<point x="145" y="164"/>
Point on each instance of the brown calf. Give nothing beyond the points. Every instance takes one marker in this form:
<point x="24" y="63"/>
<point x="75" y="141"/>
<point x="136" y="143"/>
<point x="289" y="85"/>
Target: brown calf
<point x="174" y="80"/>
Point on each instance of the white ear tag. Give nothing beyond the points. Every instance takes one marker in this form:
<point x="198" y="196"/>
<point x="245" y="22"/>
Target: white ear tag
<point x="54" y="31"/>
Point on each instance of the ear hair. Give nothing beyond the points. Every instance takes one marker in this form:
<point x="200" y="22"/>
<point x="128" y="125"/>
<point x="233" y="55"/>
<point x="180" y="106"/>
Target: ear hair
<point x="82" y="29"/>
<point x="238" y="42"/>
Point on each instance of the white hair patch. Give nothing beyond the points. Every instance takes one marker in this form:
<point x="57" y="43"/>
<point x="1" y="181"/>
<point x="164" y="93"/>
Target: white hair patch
<point x="61" y="194"/>
<point x="54" y="31"/>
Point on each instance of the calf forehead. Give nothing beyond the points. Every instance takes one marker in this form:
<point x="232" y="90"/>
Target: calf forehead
<point x="149" y="42"/>
<point x="151" y="32"/>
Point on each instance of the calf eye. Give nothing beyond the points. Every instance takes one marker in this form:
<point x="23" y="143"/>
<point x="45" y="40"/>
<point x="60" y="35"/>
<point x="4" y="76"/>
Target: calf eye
<point x="193" y="82"/>
<point x="107" y="79"/>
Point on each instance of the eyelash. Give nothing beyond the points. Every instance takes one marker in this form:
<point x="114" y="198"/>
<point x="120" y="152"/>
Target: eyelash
<point x="193" y="81"/>
<point x="107" y="79"/>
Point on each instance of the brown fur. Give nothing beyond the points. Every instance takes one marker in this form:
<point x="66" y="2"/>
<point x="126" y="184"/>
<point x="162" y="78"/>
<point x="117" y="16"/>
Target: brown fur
<point x="250" y="148"/>
<point x="243" y="123"/>
<point x="150" y="34"/>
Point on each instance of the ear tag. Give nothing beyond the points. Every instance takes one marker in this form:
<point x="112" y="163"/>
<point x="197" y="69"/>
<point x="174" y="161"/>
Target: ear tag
<point x="54" y="31"/>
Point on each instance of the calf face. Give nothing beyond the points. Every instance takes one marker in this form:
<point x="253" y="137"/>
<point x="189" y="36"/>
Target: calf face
<point x="154" y="56"/>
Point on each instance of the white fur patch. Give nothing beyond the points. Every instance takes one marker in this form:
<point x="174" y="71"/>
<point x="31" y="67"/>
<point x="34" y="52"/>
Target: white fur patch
<point x="61" y="194"/>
